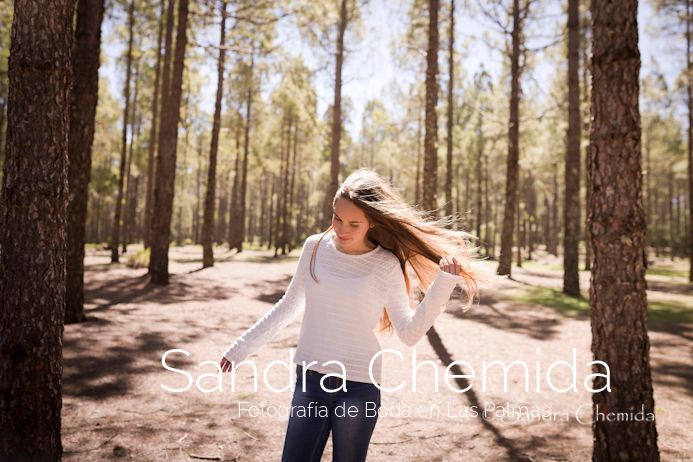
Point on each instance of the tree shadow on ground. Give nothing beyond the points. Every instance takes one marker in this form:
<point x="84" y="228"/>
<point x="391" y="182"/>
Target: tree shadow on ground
<point x="512" y="450"/>
<point x="126" y="290"/>
<point x="533" y="321"/>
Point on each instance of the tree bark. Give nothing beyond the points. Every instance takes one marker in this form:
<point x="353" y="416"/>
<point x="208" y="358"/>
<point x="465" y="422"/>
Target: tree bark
<point x="82" y="113"/>
<point x="505" y="259"/>
<point x="430" y="176"/>
<point x="208" y="221"/>
<point x="166" y="156"/>
<point x="618" y="299"/>
<point x="336" y="117"/>
<point x="153" y="134"/>
<point x="571" y="210"/>
<point x="33" y="230"/>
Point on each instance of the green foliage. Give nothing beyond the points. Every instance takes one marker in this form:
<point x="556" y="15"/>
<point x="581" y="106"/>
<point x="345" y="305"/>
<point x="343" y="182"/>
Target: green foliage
<point x="657" y="310"/>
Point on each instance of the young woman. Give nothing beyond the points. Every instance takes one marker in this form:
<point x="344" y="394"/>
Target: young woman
<point x="349" y="280"/>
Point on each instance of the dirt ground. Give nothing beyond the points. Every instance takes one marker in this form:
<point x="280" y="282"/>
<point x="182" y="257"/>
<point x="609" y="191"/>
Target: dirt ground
<point x="114" y="405"/>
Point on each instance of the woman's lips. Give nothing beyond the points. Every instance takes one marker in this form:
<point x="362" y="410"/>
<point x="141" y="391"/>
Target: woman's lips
<point x="344" y="239"/>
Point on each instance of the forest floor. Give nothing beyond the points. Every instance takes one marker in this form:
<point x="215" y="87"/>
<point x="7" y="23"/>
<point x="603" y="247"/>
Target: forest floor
<point x="115" y="408"/>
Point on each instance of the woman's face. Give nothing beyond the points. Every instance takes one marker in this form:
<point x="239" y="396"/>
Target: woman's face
<point x="350" y="224"/>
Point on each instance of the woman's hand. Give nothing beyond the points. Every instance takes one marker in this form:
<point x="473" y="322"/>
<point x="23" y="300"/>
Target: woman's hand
<point x="450" y="265"/>
<point x="225" y="364"/>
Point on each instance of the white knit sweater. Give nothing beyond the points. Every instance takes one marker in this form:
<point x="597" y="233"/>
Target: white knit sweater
<point x="342" y="309"/>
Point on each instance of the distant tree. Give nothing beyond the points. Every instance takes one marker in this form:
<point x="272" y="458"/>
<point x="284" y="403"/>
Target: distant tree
<point x="430" y="170"/>
<point x="149" y="197"/>
<point x="165" y="169"/>
<point x="208" y="221"/>
<point x="571" y="211"/>
<point x="519" y="14"/>
<point x="115" y="231"/>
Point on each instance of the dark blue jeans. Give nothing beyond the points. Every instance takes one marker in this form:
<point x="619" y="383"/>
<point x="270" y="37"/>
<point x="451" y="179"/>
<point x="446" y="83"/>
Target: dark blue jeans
<point x="350" y="416"/>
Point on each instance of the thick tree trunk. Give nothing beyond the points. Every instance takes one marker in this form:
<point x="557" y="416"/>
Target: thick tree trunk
<point x="33" y="230"/>
<point x="336" y="117"/>
<point x="430" y="171"/>
<point x="505" y="259"/>
<point x="166" y="156"/>
<point x="208" y="221"/>
<point x="618" y="300"/>
<point x="571" y="210"/>
<point x="115" y="236"/>
<point x="149" y="200"/>
<point x="82" y="113"/>
<point x="451" y="72"/>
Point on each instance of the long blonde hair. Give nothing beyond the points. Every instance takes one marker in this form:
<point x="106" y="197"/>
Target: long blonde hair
<point x="410" y="233"/>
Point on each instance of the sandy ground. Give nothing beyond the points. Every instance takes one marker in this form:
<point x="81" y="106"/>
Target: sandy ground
<point x="115" y="407"/>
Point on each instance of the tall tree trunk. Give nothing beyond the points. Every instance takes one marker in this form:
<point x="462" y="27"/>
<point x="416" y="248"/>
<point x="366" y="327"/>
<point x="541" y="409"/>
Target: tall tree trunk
<point x="670" y="211"/>
<point x="571" y="210"/>
<point x="286" y="204"/>
<point x="208" y="222"/>
<point x="419" y="155"/>
<point x="586" y="96"/>
<point x="451" y="72"/>
<point x="689" y="84"/>
<point x="505" y="259"/>
<point x="134" y="136"/>
<point x="479" y="176"/>
<point x="294" y="170"/>
<point x="282" y="192"/>
<point x="233" y="206"/>
<point x="240" y="222"/>
<point x="270" y="227"/>
<point x="33" y="230"/>
<point x="222" y="206"/>
<point x="149" y="200"/>
<point x="487" y="205"/>
<point x="115" y="236"/>
<point x="82" y="113"/>
<point x="518" y="230"/>
<point x="166" y="155"/>
<point x="198" y="188"/>
<point x="430" y="176"/>
<point x="336" y="117"/>
<point x="553" y="247"/>
<point x="618" y="299"/>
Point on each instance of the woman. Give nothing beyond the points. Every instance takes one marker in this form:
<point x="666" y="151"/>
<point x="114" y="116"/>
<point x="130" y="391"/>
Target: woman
<point x="349" y="280"/>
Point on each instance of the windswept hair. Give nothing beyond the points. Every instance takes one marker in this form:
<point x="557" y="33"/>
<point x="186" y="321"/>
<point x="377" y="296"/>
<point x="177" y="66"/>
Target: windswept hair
<point x="414" y="236"/>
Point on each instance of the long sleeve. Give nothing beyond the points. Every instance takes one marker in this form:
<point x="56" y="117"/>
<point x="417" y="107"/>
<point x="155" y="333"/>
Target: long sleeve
<point x="409" y="324"/>
<point x="279" y="316"/>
